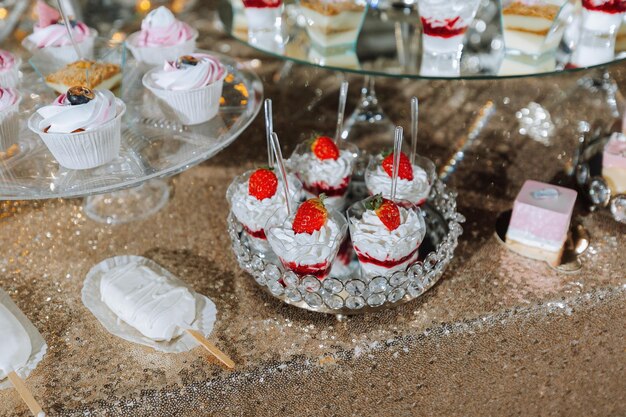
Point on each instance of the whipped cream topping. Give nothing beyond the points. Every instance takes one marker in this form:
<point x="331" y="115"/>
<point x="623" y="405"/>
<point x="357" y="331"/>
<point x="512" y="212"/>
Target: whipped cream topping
<point x="372" y="238"/>
<point x="8" y="97"/>
<point x="15" y="345"/>
<point x="63" y="117"/>
<point x="161" y="28"/>
<point x="153" y="304"/>
<point x="254" y="213"/>
<point x="314" y="171"/>
<point x="188" y="77"/>
<point x="7" y="60"/>
<point x="56" y="34"/>
<point x="379" y="182"/>
<point x="304" y="248"/>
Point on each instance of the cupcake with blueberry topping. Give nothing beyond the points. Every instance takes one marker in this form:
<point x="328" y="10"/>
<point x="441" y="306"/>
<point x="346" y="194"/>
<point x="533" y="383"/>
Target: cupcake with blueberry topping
<point x="9" y="69"/>
<point x="190" y="87"/>
<point x="81" y="128"/>
<point x="9" y="118"/>
<point x="162" y="38"/>
<point x="50" y="39"/>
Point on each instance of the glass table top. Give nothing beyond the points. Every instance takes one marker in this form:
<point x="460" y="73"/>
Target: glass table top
<point x="391" y="41"/>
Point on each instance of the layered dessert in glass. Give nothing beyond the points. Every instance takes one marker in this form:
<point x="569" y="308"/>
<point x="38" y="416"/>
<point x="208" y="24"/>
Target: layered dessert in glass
<point x="614" y="163"/>
<point x="263" y="15"/>
<point x="307" y="242"/>
<point x="333" y="24"/>
<point x="386" y="234"/>
<point x="540" y="221"/>
<point x="603" y="15"/>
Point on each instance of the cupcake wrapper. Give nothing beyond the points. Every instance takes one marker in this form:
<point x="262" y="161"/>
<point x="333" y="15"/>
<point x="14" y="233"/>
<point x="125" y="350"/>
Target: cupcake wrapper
<point x="63" y="55"/>
<point x="87" y="149"/>
<point x="11" y="77"/>
<point x="9" y="127"/>
<point x="157" y="55"/>
<point x="191" y="107"/>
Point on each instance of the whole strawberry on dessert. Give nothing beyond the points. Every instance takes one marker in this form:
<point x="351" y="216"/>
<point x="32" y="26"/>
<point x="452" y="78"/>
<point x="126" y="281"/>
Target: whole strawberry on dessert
<point x="308" y="241"/>
<point x="414" y="180"/>
<point x="325" y="168"/>
<point x="256" y="197"/>
<point x="386" y="234"/>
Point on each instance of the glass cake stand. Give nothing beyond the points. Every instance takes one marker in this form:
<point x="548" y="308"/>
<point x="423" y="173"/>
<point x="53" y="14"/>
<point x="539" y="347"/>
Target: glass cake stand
<point x="154" y="146"/>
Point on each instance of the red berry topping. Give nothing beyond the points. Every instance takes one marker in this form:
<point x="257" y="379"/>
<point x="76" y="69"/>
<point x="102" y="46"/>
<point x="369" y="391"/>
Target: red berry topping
<point x="311" y="216"/>
<point x="262" y="184"/>
<point x="405" y="171"/>
<point x="386" y="210"/>
<point x="325" y="148"/>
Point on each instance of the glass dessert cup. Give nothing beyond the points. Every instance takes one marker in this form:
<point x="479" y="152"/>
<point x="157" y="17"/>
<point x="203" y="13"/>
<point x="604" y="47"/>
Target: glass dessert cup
<point x="602" y="16"/>
<point x="415" y="191"/>
<point x="444" y="23"/>
<point x="308" y="254"/>
<point x="263" y="15"/>
<point x="329" y="177"/>
<point x="382" y="252"/>
<point x="334" y="26"/>
<point x="532" y="32"/>
<point x="255" y="214"/>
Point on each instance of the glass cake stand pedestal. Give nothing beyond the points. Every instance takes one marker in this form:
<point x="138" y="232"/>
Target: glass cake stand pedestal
<point x="154" y="146"/>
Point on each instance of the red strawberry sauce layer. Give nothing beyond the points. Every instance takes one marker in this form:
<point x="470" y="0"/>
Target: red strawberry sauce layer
<point x="447" y="30"/>
<point x="611" y="6"/>
<point x="261" y="3"/>
<point x="387" y="263"/>
<point x="259" y="234"/>
<point x="319" y="270"/>
<point x="318" y="188"/>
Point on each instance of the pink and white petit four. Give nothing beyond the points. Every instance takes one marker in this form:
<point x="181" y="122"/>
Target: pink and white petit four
<point x="614" y="163"/>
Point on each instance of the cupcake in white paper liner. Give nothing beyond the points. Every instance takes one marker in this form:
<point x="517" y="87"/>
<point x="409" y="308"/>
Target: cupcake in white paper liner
<point x="9" y="118"/>
<point x="9" y="69"/>
<point x="82" y="128"/>
<point x="30" y="347"/>
<point x="190" y="87"/>
<point x="50" y="40"/>
<point x="162" y="38"/>
<point x="92" y="297"/>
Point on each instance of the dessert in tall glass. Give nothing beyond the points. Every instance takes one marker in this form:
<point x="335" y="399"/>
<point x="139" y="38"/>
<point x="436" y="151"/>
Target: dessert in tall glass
<point x="263" y="15"/>
<point x="444" y="24"/>
<point x="308" y="241"/>
<point x="386" y="234"/>
<point x="603" y="16"/>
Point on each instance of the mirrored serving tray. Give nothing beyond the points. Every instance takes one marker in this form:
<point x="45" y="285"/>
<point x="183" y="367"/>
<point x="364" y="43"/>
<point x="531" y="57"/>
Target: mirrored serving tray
<point x="154" y="144"/>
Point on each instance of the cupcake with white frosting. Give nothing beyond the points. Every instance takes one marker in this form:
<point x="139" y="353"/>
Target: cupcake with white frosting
<point x="191" y="86"/>
<point x="81" y="128"/>
<point x="9" y="118"/>
<point x="258" y="196"/>
<point x="386" y="234"/>
<point x="325" y="168"/>
<point x="9" y="69"/>
<point x="50" y="39"/>
<point x="162" y="38"/>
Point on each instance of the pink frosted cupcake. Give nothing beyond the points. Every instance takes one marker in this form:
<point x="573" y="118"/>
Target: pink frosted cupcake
<point x="82" y="128"/>
<point x="9" y="118"/>
<point x="162" y="38"/>
<point x="50" y="40"/>
<point x="9" y="69"/>
<point x="191" y="87"/>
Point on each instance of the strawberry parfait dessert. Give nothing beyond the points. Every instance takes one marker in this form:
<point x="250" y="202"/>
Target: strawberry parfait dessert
<point x="414" y="180"/>
<point x="325" y="168"/>
<point x="603" y="16"/>
<point x="308" y="241"/>
<point x="263" y="15"/>
<point x="258" y="196"/>
<point x="386" y="234"/>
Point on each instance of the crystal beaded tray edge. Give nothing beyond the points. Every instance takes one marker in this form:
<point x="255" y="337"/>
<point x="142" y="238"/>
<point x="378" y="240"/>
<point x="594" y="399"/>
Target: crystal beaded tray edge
<point x="355" y="294"/>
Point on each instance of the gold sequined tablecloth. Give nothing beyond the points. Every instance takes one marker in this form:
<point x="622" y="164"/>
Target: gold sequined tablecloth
<point x="500" y="335"/>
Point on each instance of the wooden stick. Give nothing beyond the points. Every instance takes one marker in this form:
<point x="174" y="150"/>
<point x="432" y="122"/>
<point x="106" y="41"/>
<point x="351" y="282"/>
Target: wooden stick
<point x="213" y="350"/>
<point x="26" y="395"/>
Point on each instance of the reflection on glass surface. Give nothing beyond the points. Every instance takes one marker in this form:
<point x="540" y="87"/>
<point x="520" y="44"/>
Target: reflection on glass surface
<point x="493" y="38"/>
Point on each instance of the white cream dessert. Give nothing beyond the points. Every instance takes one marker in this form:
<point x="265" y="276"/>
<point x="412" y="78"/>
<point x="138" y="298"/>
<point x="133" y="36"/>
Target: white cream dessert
<point x="9" y="118"/>
<point x="308" y="242"/>
<point x="154" y="305"/>
<point x="15" y="345"/>
<point x="325" y="169"/>
<point x="603" y="16"/>
<point x="333" y="23"/>
<point x="263" y="14"/>
<point x="527" y="26"/>
<point x="258" y="196"/>
<point x="385" y="235"/>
